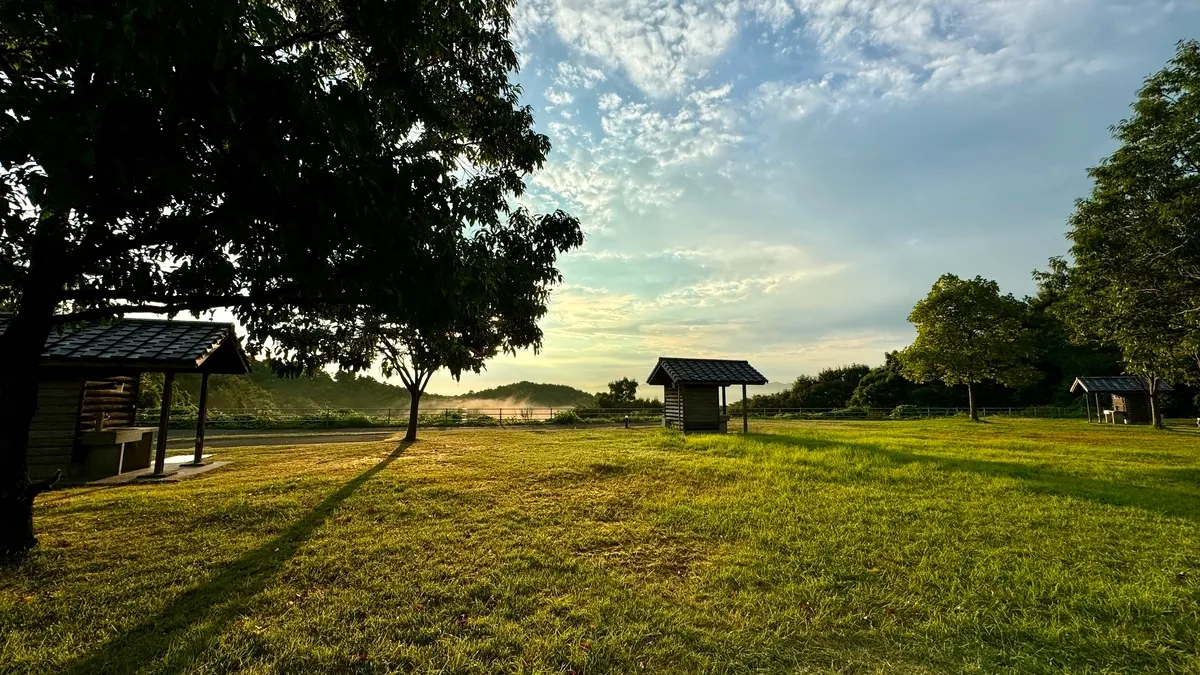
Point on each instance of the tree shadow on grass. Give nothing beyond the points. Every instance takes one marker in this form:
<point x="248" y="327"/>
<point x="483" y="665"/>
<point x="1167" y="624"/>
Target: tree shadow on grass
<point x="1163" y="500"/>
<point x="168" y="641"/>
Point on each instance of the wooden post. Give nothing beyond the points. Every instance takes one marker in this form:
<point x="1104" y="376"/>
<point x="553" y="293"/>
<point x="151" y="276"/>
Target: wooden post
<point x="1087" y="406"/>
<point x="745" y="413"/>
<point x="724" y="402"/>
<point x="201" y="417"/>
<point x="164" y="418"/>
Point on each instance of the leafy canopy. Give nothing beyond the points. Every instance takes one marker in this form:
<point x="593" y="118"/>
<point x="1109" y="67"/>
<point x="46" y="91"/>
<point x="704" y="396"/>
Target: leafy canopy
<point x="276" y="157"/>
<point x="1133" y="278"/>
<point x="968" y="332"/>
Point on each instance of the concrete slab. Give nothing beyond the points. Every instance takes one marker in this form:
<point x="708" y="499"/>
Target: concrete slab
<point x="178" y="475"/>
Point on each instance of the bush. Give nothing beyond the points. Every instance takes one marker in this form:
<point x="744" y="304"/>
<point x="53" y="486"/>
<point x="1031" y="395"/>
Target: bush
<point x="566" y="417"/>
<point x="905" y="411"/>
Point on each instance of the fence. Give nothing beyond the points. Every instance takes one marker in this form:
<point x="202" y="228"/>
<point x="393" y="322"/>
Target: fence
<point x="317" y="418"/>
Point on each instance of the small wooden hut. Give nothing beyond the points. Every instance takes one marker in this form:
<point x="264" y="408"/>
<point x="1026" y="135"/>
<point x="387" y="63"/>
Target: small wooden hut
<point x="1129" y="396"/>
<point x="88" y="390"/>
<point x="694" y="396"/>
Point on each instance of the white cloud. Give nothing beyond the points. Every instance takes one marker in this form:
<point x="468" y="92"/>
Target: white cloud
<point x="644" y="148"/>
<point x="557" y="97"/>
<point x="574" y="76"/>
<point x="889" y="50"/>
<point x="661" y="45"/>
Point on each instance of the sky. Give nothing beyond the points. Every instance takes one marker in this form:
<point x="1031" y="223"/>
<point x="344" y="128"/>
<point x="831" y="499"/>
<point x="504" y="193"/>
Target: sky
<point x="780" y="180"/>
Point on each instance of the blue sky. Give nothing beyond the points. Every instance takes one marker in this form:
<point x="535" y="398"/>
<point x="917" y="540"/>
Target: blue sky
<point x="780" y="180"/>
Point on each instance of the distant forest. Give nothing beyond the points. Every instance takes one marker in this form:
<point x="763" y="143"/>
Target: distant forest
<point x="263" y="390"/>
<point x="1056" y="358"/>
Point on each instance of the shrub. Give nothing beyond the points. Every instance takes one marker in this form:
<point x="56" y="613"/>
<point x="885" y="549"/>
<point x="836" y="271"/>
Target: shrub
<point x="905" y="411"/>
<point x="566" y="417"/>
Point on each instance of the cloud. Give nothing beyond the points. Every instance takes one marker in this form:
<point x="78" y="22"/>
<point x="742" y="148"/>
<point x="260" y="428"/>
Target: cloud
<point x="660" y="45"/>
<point x="557" y="97"/>
<point x="897" y="50"/>
<point x="640" y="154"/>
<point x="573" y="76"/>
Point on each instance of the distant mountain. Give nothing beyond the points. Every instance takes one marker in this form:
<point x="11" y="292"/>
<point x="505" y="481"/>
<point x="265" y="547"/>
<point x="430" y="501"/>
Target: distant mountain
<point x="261" y="389"/>
<point x="532" y="393"/>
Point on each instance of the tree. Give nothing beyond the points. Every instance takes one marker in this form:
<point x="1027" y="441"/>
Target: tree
<point x="621" y="393"/>
<point x="1134" y="275"/>
<point x="884" y="386"/>
<point x="968" y="333"/>
<point x="492" y="300"/>
<point x="280" y="158"/>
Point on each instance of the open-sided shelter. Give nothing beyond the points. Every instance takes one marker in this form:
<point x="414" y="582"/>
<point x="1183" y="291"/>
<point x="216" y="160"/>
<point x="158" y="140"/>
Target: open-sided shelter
<point x="88" y="381"/>
<point x="1130" y="396"/>
<point x="694" y="397"/>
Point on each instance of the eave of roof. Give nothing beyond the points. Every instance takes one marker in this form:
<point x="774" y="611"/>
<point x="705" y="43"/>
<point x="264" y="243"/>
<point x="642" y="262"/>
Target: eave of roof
<point x="155" y="345"/>
<point x="715" y="372"/>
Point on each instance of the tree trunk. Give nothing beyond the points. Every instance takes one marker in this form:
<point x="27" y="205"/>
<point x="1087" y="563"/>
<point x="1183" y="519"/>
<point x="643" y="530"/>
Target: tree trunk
<point x="21" y="345"/>
<point x="971" y="403"/>
<point x="1154" y="419"/>
<point x="414" y="406"/>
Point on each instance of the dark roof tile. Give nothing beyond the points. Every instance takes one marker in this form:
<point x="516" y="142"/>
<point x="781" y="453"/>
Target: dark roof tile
<point x="173" y="344"/>
<point x="1117" y="384"/>
<point x="704" y="371"/>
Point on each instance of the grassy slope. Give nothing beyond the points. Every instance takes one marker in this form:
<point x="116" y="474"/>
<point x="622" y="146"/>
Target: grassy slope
<point x="936" y="546"/>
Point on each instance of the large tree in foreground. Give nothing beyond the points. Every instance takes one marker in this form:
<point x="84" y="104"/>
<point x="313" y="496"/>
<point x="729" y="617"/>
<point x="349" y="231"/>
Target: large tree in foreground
<point x="283" y="158"/>
<point x="1134" y="275"/>
<point x="486" y="292"/>
<point x="967" y="332"/>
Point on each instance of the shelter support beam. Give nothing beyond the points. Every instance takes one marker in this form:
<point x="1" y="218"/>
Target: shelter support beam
<point x="164" y="417"/>
<point x="201" y="418"/>
<point x="745" y="413"/>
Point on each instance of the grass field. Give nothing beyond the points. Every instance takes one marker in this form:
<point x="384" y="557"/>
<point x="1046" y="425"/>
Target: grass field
<point x="925" y="546"/>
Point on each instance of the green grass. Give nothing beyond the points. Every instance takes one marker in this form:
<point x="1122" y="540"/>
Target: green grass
<point x="893" y="547"/>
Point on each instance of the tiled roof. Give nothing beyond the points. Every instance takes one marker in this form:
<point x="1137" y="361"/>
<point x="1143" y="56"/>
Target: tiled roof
<point x="175" y="345"/>
<point x="1118" y="384"/>
<point x="705" y="371"/>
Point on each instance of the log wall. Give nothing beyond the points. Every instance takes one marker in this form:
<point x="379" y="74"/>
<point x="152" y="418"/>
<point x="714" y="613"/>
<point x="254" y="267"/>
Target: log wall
<point x="114" y="397"/>
<point x="55" y="425"/>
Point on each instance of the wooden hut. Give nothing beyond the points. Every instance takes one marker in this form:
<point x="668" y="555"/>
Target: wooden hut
<point x="694" y="396"/>
<point x="1129" y="395"/>
<point x="88" y="391"/>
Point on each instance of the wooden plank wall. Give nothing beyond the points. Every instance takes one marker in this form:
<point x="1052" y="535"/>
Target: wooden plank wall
<point x="701" y="408"/>
<point x="55" y="424"/>
<point x="115" y="397"/>
<point x="672" y="407"/>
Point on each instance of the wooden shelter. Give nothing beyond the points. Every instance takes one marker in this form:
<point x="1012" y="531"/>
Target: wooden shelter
<point x="88" y="381"/>
<point x="1129" y="394"/>
<point x="694" y="391"/>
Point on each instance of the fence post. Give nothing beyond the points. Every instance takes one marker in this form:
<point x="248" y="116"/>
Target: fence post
<point x="389" y="422"/>
<point x="502" y="417"/>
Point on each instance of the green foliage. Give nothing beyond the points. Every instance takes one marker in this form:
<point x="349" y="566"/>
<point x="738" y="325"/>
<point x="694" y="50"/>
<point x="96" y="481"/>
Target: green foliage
<point x="1134" y="276"/>
<point x="566" y="417"/>
<point x="831" y="388"/>
<point x="967" y="332"/>
<point x="622" y="393"/>
<point x="905" y="411"/>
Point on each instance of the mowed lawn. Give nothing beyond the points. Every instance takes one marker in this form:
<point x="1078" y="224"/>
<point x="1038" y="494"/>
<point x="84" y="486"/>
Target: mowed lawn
<point x="885" y="547"/>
